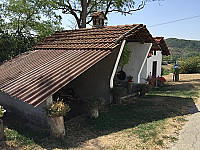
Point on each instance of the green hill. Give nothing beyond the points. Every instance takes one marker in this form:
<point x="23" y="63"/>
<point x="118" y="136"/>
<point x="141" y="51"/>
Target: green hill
<point x="181" y="49"/>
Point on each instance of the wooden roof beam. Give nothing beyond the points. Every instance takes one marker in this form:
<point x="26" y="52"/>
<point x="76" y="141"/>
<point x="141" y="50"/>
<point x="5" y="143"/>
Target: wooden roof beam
<point x="139" y="38"/>
<point x="127" y="33"/>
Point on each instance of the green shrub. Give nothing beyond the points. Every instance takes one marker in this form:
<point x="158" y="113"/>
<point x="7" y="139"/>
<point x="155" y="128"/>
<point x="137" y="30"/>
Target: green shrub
<point x="190" y="65"/>
<point x="143" y="88"/>
<point x="2" y="111"/>
<point x="126" y="53"/>
<point x="165" y="71"/>
<point x="164" y="63"/>
<point x="118" y="91"/>
<point x="176" y="71"/>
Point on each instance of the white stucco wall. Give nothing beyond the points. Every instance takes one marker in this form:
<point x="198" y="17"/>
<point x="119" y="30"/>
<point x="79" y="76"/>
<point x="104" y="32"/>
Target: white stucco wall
<point x="34" y="115"/>
<point x="147" y="69"/>
<point x="137" y="60"/>
<point x="144" y="74"/>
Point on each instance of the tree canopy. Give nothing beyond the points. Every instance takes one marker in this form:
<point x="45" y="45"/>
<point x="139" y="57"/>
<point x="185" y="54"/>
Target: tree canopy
<point x="82" y="9"/>
<point x="30" y="17"/>
<point x="23" y="23"/>
<point x="181" y="49"/>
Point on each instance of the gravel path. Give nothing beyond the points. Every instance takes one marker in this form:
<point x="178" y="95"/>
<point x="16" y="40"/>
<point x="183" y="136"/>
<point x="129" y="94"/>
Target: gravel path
<point x="189" y="137"/>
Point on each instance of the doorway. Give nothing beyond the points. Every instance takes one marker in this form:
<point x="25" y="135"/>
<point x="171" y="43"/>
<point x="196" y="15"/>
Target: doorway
<point x="154" y="69"/>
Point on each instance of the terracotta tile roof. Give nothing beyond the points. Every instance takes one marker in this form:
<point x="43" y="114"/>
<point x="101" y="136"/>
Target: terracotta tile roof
<point x="95" y="14"/>
<point x="159" y="45"/>
<point x="57" y="60"/>
<point x="93" y="38"/>
<point x="34" y="76"/>
<point x="161" y="42"/>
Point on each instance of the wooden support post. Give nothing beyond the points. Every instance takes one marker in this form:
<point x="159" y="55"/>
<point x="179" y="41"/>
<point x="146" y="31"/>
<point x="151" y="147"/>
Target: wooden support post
<point x="1" y="130"/>
<point x="176" y="77"/>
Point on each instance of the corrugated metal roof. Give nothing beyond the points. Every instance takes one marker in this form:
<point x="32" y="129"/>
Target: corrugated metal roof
<point x="34" y="76"/>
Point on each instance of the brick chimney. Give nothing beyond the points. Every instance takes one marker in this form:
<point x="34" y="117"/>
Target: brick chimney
<point x="98" y="19"/>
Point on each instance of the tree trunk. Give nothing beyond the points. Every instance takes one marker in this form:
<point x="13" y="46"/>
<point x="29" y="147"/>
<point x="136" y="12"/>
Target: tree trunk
<point x="177" y="77"/>
<point x="57" y="127"/>
<point x="83" y="14"/>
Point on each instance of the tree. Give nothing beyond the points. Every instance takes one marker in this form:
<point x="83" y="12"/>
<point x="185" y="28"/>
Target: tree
<point x="30" y="17"/>
<point x="82" y="9"/>
<point x="12" y="44"/>
<point x="23" y="23"/>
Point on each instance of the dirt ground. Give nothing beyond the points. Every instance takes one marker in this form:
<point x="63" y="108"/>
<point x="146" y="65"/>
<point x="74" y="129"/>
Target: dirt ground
<point x="192" y="78"/>
<point x="125" y="140"/>
<point x="186" y="81"/>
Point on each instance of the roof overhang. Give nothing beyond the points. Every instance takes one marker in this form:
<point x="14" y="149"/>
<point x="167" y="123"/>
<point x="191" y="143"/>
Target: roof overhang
<point x="35" y="76"/>
<point x="60" y="58"/>
<point x="162" y="44"/>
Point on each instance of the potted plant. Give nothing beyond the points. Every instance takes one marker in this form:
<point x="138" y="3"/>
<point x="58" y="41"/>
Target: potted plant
<point x="152" y="82"/>
<point x="118" y="92"/>
<point x="2" y="111"/>
<point x="55" y="112"/>
<point x="130" y="78"/>
<point x="142" y="89"/>
<point x="130" y="83"/>
<point x="94" y="104"/>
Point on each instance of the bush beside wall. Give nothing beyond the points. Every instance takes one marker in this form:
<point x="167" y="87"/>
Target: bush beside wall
<point x="190" y="65"/>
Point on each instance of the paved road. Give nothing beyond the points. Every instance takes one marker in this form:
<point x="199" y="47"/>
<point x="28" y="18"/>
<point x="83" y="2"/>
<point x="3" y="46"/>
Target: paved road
<point x="189" y="138"/>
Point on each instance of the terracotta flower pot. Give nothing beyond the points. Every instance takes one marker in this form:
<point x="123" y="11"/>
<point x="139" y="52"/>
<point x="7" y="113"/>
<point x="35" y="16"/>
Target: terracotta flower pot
<point x="57" y="127"/>
<point x="94" y="112"/>
<point x="130" y="86"/>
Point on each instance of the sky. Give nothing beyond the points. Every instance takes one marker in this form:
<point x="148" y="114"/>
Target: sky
<point x="155" y="13"/>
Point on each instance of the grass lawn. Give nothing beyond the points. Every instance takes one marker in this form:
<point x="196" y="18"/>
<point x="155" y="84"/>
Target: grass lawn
<point x="149" y="122"/>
